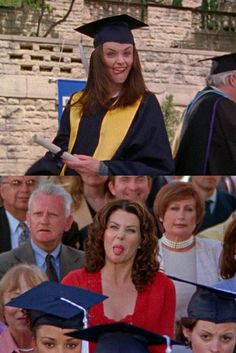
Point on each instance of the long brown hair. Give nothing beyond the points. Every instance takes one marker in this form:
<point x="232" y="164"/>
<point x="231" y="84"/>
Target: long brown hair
<point x="145" y="264"/>
<point x="228" y="263"/>
<point x="96" y="94"/>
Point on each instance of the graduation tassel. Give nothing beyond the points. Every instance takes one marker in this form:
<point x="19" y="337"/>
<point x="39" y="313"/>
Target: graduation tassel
<point x="85" y="344"/>
<point x="168" y="344"/>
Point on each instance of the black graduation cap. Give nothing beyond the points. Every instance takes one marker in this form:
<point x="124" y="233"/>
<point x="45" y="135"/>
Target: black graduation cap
<point x="57" y="304"/>
<point x="112" y="29"/>
<point x="222" y="63"/>
<point x="122" y="337"/>
<point x="210" y="303"/>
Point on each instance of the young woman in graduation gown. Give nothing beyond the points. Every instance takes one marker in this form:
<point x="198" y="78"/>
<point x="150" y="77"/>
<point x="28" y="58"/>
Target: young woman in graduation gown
<point x="115" y="125"/>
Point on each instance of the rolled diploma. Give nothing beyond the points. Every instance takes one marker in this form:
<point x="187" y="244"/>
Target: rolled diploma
<point x="53" y="148"/>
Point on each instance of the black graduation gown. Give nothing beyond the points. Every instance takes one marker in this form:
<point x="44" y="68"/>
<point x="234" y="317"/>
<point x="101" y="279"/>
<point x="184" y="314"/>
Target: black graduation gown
<point x="190" y="157"/>
<point x="145" y="149"/>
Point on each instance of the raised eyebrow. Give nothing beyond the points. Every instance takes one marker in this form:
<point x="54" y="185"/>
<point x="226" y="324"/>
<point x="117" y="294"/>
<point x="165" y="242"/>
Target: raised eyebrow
<point x="114" y="222"/>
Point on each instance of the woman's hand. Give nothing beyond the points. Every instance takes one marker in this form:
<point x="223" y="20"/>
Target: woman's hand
<point x="85" y="164"/>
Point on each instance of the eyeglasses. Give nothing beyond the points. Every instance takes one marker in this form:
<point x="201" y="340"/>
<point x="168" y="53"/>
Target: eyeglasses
<point x="16" y="183"/>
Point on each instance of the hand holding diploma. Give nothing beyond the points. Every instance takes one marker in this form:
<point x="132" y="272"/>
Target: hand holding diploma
<point x="54" y="148"/>
<point x="84" y="164"/>
<point x="80" y="163"/>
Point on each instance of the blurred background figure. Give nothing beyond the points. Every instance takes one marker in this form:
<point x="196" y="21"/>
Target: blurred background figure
<point x="179" y="209"/>
<point x="15" y="193"/>
<point x="89" y="193"/>
<point x="52" y="316"/>
<point x="133" y="188"/>
<point x="121" y="257"/>
<point x="228" y="184"/>
<point x="228" y="259"/>
<point x="49" y="215"/>
<point x="17" y="337"/>
<point x="219" y="204"/>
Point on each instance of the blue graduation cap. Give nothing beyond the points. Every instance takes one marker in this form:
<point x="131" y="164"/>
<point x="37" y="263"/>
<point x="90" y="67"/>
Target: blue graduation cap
<point x="112" y="29"/>
<point x="210" y="303"/>
<point x="57" y="304"/>
<point x="222" y="63"/>
<point x="122" y="337"/>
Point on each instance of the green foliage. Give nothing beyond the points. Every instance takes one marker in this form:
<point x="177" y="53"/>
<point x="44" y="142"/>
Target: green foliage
<point x="177" y="3"/>
<point x="171" y="116"/>
<point x="11" y="3"/>
<point x="209" y="20"/>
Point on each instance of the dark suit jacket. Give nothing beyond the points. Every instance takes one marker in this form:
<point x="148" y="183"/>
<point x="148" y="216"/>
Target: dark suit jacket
<point x="225" y="205"/>
<point x="5" y="236"/>
<point x="70" y="258"/>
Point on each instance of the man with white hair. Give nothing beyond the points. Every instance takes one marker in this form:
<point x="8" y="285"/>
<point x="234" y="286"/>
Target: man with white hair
<point x="207" y="139"/>
<point x="48" y="217"/>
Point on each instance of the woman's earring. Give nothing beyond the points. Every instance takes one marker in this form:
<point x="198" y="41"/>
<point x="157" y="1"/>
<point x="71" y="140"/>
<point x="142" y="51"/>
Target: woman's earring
<point x="235" y="257"/>
<point x="160" y="219"/>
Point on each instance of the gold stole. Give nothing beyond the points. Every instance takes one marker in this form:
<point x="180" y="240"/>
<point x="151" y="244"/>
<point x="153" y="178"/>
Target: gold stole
<point x="116" y="120"/>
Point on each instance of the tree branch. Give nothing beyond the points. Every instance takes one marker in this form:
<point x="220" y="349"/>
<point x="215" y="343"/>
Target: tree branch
<point x="40" y="17"/>
<point x="60" y="21"/>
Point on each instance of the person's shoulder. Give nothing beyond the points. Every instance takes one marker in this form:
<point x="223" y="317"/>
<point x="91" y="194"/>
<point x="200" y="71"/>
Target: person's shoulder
<point x="208" y="243"/>
<point x="72" y="251"/>
<point x="223" y="195"/>
<point x="7" y="255"/>
<point x="148" y="95"/>
<point x="160" y="278"/>
<point x="75" y="276"/>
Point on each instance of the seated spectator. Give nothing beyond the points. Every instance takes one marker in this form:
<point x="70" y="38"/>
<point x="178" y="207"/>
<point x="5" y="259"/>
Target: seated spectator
<point x="89" y="193"/>
<point x="15" y="193"/>
<point x="49" y="216"/>
<point x="121" y="257"/>
<point x="228" y="259"/>
<point x="133" y="188"/>
<point x="52" y="316"/>
<point x="17" y="337"/>
<point x="211" y="322"/>
<point x="179" y="210"/>
<point x="219" y="204"/>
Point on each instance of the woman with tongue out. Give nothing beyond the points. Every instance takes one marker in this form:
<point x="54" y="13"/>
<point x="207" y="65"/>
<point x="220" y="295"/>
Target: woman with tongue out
<point x="121" y="263"/>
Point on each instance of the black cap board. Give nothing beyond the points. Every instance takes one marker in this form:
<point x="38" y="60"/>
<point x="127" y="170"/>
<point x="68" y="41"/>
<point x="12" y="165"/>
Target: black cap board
<point x="121" y="337"/>
<point x="57" y="304"/>
<point x="222" y="63"/>
<point x="210" y="303"/>
<point x="112" y="29"/>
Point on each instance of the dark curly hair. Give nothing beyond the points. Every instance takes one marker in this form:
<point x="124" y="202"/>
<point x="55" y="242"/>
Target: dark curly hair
<point x="145" y="263"/>
<point x="228" y="263"/>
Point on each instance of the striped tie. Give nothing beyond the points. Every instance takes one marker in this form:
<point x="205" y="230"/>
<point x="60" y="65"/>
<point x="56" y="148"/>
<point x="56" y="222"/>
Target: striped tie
<point x="24" y="235"/>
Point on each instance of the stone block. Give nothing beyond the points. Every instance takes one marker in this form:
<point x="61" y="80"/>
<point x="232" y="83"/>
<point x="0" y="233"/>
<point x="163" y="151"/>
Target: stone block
<point x="13" y="86"/>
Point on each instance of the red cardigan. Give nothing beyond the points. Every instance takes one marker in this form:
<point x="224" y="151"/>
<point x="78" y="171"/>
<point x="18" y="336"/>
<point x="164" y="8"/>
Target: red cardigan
<point x="154" y="308"/>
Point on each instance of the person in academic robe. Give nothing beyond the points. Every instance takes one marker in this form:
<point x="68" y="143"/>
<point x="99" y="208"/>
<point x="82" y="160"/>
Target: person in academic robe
<point x="207" y="142"/>
<point x="115" y="125"/>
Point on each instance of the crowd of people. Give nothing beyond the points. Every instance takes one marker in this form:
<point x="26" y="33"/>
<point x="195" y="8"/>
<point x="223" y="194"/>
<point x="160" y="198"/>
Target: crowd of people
<point x="143" y="235"/>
